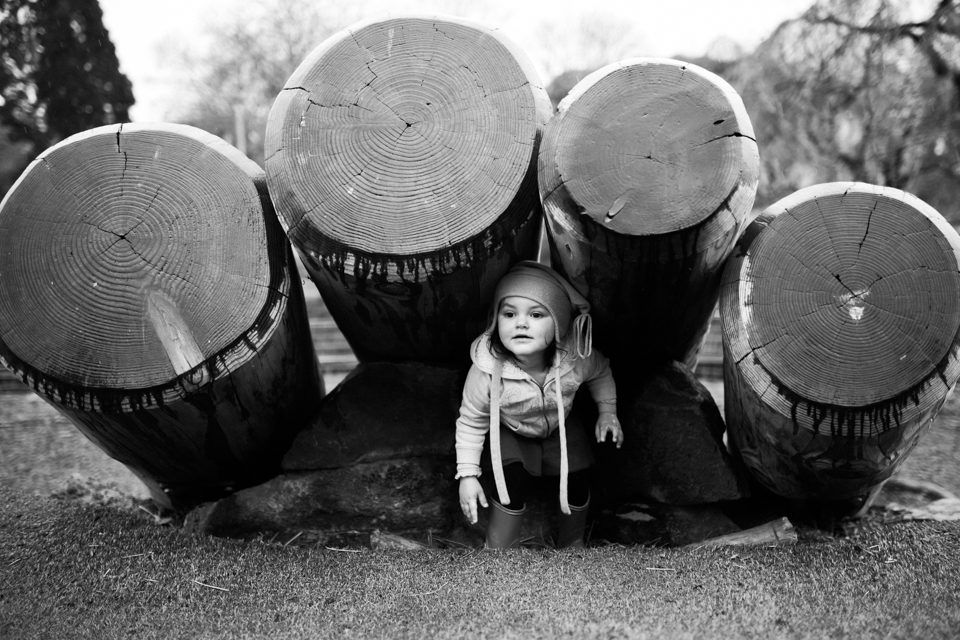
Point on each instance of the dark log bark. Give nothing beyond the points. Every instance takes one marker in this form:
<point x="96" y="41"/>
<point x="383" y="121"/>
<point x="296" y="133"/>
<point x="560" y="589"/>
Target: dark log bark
<point x="841" y="328"/>
<point x="648" y="174"/>
<point x="147" y="291"/>
<point x="401" y="157"/>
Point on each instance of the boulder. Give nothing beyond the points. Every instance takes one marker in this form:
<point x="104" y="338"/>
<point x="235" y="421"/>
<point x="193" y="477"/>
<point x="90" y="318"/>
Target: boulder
<point x="382" y="411"/>
<point x="394" y="495"/>
<point x="379" y="454"/>
<point x="673" y="450"/>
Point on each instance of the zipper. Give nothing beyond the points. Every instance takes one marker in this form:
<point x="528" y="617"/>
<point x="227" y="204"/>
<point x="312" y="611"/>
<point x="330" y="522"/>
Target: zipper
<point x="543" y="401"/>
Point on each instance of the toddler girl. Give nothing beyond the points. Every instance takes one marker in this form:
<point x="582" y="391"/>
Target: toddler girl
<point x="527" y="366"/>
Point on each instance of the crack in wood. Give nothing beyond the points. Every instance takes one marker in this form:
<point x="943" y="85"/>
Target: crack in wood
<point x="867" y="230"/>
<point x="735" y="134"/>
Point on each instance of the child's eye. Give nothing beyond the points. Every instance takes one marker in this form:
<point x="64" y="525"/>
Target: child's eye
<point x="536" y="314"/>
<point x="507" y="314"/>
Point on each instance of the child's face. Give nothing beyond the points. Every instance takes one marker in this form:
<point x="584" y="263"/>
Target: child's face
<point x="525" y="327"/>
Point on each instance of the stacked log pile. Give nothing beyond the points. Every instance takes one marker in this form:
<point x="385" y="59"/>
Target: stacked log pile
<point x="147" y="291"/>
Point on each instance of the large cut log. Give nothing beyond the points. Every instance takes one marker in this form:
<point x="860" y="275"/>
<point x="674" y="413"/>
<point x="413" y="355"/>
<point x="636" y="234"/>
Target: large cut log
<point x="401" y="157"/>
<point x="841" y="328"/>
<point x="648" y="174"/>
<point x="147" y="291"/>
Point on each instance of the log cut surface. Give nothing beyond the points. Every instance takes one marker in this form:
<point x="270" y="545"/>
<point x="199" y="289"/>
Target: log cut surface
<point x="841" y="337"/>
<point x="402" y="136"/>
<point x="648" y="147"/>
<point x="147" y="291"/>
<point x="401" y="157"/>
<point x="130" y="254"/>
<point x="648" y="174"/>
<point x="852" y="299"/>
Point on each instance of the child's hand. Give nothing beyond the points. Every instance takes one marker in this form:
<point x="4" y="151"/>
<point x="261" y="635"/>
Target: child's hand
<point x="470" y="493"/>
<point x="609" y="423"/>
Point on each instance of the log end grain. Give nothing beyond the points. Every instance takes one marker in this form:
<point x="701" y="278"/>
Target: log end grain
<point x="131" y="253"/>
<point x="649" y="146"/>
<point x="405" y="136"/>
<point x="648" y="175"/>
<point x="401" y="157"/>
<point x="853" y="295"/>
<point x="841" y="334"/>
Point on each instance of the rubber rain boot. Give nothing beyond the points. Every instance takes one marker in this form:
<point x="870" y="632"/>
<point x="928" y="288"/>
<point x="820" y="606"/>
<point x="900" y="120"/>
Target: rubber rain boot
<point x="503" y="529"/>
<point x="570" y="528"/>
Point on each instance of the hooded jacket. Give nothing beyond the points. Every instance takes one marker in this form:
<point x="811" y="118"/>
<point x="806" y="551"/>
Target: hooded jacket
<point x="525" y="407"/>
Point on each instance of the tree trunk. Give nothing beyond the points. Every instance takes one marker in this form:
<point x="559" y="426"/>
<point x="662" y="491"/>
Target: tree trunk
<point x="648" y="174"/>
<point x="148" y="292"/>
<point x="841" y="328"/>
<point x="402" y="160"/>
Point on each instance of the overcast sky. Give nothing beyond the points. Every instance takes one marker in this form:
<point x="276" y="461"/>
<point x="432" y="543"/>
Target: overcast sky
<point x="666" y="28"/>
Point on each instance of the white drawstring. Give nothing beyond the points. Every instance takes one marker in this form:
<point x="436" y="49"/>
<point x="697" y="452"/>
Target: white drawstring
<point x="564" y="464"/>
<point x="495" y="433"/>
<point x="583" y="330"/>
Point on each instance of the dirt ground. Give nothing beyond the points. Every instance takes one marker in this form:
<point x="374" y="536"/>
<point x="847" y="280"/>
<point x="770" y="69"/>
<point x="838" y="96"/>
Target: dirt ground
<point x="43" y="453"/>
<point x="937" y="458"/>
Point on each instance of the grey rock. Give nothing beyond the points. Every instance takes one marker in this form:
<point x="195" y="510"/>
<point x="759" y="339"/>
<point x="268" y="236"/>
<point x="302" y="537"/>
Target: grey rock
<point x="392" y="495"/>
<point x="378" y="454"/>
<point x="673" y="450"/>
<point x="382" y="411"/>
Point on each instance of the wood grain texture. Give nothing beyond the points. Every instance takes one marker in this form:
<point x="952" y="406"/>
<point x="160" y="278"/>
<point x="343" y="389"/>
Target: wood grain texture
<point x="147" y="291"/>
<point x="98" y="223"/>
<point x="648" y="174"/>
<point x="401" y="157"/>
<point x="841" y="329"/>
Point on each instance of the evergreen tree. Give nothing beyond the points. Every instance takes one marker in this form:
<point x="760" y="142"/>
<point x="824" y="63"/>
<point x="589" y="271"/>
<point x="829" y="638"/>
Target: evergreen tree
<point x="59" y="72"/>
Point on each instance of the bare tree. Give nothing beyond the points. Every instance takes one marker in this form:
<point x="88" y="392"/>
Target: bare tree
<point x="233" y="81"/>
<point x="596" y="40"/>
<point x="859" y="90"/>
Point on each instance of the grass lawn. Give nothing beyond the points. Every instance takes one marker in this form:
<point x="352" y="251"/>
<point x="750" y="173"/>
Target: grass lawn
<point x="74" y="570"/>
<point x="69" y="569"/>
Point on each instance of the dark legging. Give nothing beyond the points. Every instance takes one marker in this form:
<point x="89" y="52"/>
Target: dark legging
<point x="519" y="484"/>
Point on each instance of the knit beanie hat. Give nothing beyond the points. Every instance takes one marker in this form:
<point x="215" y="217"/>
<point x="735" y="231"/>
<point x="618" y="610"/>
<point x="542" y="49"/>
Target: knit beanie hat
<point x="543" y="285"/>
